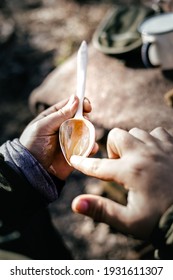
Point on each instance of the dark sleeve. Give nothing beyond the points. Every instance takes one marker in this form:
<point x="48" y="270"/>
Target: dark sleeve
<point x="162" y="237"/>
<point x="18" y="199"/>
<point x="25" y="164"/>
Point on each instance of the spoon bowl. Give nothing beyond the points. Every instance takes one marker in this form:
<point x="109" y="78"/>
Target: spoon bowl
<point x="77" y="135"/>
<point x="77" y="138"/>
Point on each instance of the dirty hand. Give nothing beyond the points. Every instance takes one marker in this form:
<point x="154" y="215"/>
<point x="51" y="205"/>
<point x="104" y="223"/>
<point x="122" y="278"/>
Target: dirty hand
<point x="41" y="136"/>
<point x="142" y="162"/>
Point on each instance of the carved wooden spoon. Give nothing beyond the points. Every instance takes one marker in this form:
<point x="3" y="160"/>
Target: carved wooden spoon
<point x="77" y="135"/>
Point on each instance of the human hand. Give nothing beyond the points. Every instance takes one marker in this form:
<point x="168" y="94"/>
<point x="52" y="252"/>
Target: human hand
<point x="142" y="162"/>
<point x="41" y="136"/>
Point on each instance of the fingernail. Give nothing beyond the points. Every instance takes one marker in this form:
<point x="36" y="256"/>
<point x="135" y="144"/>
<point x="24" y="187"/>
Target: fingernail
<point x="82" y="206"/>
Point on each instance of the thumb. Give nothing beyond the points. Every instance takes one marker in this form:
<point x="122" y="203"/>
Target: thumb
<point x="101" y="210"/>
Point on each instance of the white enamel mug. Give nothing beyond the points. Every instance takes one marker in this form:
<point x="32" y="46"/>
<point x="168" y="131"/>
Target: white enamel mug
<point x="157" y="37"/>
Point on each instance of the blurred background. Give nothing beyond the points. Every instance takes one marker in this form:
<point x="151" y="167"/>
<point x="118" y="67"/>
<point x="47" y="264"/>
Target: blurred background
<point x="37" y="36"/>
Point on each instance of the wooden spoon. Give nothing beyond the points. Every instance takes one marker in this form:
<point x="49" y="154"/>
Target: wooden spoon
<point x="77" y="135"/>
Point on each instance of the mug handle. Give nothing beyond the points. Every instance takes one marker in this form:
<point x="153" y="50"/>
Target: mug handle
<point x="145" y="55"/>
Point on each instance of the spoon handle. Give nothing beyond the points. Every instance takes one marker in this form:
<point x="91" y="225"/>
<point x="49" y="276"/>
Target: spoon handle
<point x="82" y="59"/>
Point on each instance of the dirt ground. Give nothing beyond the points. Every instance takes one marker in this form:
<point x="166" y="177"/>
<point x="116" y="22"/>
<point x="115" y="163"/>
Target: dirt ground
<point x="35" y="37"/>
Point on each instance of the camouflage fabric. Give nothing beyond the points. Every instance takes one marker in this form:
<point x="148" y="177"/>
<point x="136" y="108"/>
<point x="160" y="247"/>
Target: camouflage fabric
<point x="162" y="237"/>
<point x="118" y="31"/>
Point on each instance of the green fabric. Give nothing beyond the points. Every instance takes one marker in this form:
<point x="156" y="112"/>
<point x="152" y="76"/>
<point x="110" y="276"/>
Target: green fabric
<point x="119" y="29"/>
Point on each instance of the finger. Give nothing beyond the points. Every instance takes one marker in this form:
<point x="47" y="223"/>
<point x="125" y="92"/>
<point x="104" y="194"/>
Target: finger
<point x="87" y="105"/>
<point x="161" y="134"/>
<point x="102" y="210"/>
<point x="141" y="135"/>
<point x="94" y="150"/>
<point x="86" y="116"/>
<point x="105" y="169"/>
<point x="120" y="142"/>
<point x="54" y="108"/>
<point x="53" y="121"/>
